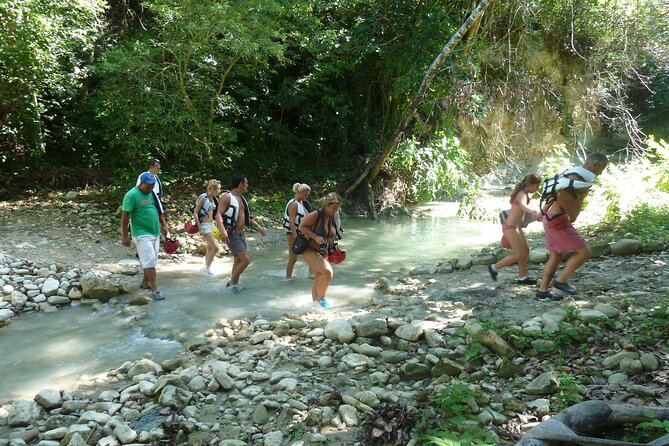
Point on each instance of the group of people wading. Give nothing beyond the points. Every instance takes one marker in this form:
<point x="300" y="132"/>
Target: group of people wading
<point x="225" y="218"/>
<point x="561" y="203"/>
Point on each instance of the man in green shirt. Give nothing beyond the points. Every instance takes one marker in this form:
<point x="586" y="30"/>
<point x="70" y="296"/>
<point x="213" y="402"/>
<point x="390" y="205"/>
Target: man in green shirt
<point x="140" y="207"/>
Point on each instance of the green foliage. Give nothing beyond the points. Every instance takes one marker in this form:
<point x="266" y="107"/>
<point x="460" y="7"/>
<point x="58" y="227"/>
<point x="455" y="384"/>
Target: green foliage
<point x="658" y="152"/>
<point x="567" y="394"/>
<point x="644" y="221"/>
<point x="648" y="330"/>
<point x="662" y="425"/>
<point x="45" y="48"/>
<point x="435" y="170"/>
<point x="451" y="419"/>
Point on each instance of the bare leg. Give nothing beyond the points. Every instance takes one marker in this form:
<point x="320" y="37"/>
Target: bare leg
<point x="292" y="257"/>
<point x="242" y="260"/>
<point x="150" y="278"/>
<point x="212" y="250"/>
<point x="322" y="273"/>
<point x="520" y="252"/>
<point x="579" y="257"/>
<point x="549" y="270"/>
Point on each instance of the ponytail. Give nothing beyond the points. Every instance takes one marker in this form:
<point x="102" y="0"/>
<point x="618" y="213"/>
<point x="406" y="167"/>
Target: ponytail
<point x="530" y="178"/>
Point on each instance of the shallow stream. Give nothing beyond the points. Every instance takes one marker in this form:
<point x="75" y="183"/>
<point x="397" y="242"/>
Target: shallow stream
<point x="59" y="350"/>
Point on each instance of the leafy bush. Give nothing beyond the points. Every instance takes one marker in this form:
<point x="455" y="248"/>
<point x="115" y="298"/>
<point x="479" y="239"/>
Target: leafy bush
<point x="432" y="171"/>
<point x="644" y="221"/>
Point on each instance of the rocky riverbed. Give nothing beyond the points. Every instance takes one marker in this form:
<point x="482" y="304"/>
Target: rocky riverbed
<point x="345" y="379"/>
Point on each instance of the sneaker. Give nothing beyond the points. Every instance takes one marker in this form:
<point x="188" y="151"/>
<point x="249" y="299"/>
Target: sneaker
<point x="565" y="287"/>
<point x="526" y="281"/>
<point x="234" y="289"/>
<point x="324" y="303"/>
<point x="158" y="295"/>
<point x="493" y="273"/>
<point x="548" y="295"/>
<point x="208" y="272"/>
<point x="144" y="288"/>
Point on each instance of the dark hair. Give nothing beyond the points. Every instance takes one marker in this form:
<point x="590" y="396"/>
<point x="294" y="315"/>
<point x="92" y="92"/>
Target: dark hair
<point x="596" y="158"/>
<point x="237" y="178"/>
<point x="530" y="178"/>
<point x="153" y="162"/>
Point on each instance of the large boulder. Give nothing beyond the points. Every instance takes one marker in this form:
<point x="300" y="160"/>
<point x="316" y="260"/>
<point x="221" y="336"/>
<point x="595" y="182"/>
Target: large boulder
<point x="50" y="287"/>
<point x="98" y="288"/>
<point x="22" y="413"/>
<point x="626" y="247"/>
<point x="340" y="330"/>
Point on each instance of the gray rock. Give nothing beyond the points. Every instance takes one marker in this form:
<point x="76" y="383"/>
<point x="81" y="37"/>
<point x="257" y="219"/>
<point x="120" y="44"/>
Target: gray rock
<point x="340" y="330"/>
<point x="219" y="372"/>
<point x="49" y="398"/>
<point x="617" y="379"/>
<point x="608" y="310"/>
<point x="50" y="287"/>
<point x="544" y="384"/>
<point x="464" y="262"/>
<point x="125" y="433"/>
<point x="18" y="299"/>
<point x="175" y="397"/>
<point x="59" y="300"/>
<point x="348" y="414"/>
<point x="98" y="288"/>
<point x="411" y="332"/>
<point x="631" y="366"/>
<point x="415" y="371"/>
<point x="539" y="255"/>
<point x="614" y="360"/>
<point x="649" y="362"/>
<point x="262" y="336"/>
<point x="260" y="415"/>
<point x="642" y="391"/>
<point x="393" y="356"/>
<point x="354" y="360"/>
<point x="447" y="367"/>
<point x="22" y="413"/>
<point x="287" y="384"/>
<point x="144" y="366"/>
<point x="274" y="438"/>
<point x="495" y="342"/>
<point x="96" y="417"/>
<point x="590" y="315"/>
<point x="372" y="328"/>
<point x="625" y="247"/>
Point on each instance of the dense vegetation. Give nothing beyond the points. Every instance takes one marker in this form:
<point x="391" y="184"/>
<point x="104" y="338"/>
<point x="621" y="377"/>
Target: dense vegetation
<point x="310" y="89"/>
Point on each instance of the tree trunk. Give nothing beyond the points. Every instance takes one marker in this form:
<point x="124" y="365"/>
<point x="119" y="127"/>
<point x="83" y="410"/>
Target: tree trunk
<point x="372" y="172"/>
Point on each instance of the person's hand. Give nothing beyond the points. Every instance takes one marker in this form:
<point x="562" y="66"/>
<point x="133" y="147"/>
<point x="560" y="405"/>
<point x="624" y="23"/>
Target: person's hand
<point x="125" y="240"/>
<point x="262" y="231"/>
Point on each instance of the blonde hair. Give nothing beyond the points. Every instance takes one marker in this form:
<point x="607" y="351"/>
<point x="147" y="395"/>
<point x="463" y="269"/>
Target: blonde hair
<point x="299" y="188"/>
<point x="211" y="185"/>
<point x="330" y="198"/>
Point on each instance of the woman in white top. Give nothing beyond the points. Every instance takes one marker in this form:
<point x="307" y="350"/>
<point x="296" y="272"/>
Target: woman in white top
<point x="292" y="217"/>
<point x="204" y="213"/>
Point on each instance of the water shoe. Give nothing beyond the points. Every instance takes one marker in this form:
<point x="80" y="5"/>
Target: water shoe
<point x="548" y="295"/>
<point x="565" y="287"/>
<point x="526" y="281"/>
<point x="324" y="303"/>
<point x="493" y="273"/>
<point x="158" y="295"/>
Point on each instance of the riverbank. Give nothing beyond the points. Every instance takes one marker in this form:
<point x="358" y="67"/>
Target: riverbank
<point x="344" y="378"/>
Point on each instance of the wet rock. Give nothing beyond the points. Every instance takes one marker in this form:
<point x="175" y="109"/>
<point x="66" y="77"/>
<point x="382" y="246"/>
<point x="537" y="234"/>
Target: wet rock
<point x="649" y="362"/>
<point x="274" y="438"/>
<point x="125" y="434"/>
<point x="447" y="367"/>
<point x="631" y="366"/>
<point x="260" y="415"/>
<point x="98" y="288"/>
<point x="354" y="360"/>
<point x="464" y="262"/>
<point x="642" y="391"/>
<point x="18" y="299"/>
<point x="22" y="413"/>
<point x="415" y="371"/>
<point x="618" y="379"/>
<point x="175" y="397"/>
<point x="143" y="366"/>
<point x="411" y="332"/>
<point x="58" y="300"/>
<point x="348" y="414"/>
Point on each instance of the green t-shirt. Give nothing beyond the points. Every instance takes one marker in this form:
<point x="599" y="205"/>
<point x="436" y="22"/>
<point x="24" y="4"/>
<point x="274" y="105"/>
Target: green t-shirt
<point x="144" y="217"/>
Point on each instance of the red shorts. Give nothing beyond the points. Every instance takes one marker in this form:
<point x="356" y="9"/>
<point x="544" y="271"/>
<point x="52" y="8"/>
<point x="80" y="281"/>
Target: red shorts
<point x="505" y="241"/>
<point x="563" y="237"/>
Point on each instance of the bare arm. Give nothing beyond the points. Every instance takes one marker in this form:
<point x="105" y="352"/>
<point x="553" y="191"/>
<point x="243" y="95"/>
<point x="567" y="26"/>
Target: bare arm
<point x="196" y="211"/>
<point x="571" y="205"/>
<point x="125" y="219"/>
<point x="292" y="212"/>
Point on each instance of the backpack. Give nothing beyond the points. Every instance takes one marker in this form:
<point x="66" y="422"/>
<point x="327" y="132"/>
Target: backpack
<point x="203" y="211"/>
<point x="561" y="181"/>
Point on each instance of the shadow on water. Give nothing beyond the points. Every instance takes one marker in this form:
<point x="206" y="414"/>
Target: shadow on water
<point x="56" y="350"/>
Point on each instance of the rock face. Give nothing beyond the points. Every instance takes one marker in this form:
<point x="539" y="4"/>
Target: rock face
<point x="626" y="247"/>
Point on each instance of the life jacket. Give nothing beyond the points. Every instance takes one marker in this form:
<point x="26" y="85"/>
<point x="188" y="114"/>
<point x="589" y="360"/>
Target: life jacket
<point x="205" y="206"/>
<point x="561" y="181"/>
<point x="301" y="212"/>
<point x="230" y="216"/>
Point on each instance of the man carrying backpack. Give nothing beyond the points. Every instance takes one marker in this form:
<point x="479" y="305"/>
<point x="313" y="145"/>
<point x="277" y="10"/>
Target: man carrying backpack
<point x="562" y="202"/>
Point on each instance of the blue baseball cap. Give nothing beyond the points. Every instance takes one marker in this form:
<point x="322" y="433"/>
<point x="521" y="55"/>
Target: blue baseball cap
<point x="147" y="177"/>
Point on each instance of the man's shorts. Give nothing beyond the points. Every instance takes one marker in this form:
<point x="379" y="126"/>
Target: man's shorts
<point x="148" y="247"/>
<point x="207" y="227"/>
<point x="563" y="240"/>
<point x="237" y="242"/>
